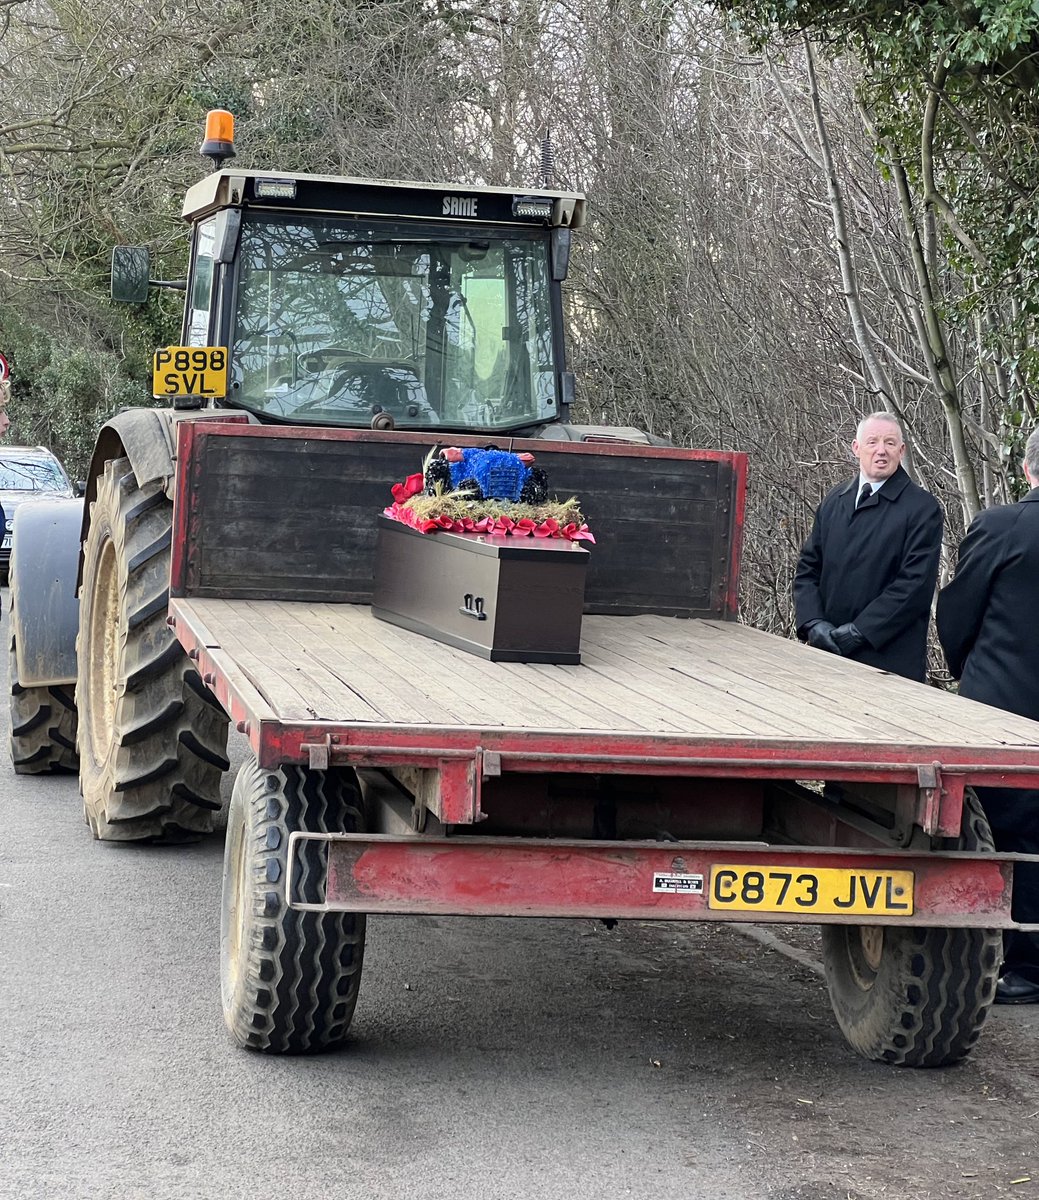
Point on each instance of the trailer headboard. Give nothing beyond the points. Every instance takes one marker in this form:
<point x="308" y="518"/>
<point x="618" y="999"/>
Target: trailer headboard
<point x="288" y="513"/>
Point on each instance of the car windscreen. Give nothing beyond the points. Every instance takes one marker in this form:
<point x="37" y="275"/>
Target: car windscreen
<point x="31" y="475"/>
<point x="338" y="321"/>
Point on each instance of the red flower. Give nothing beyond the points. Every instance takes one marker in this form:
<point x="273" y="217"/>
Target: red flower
<point x="525" y="527"/>
<point x="410" y="487"/>
<point x="578" y="533"/>
<point x="547" y="528"/>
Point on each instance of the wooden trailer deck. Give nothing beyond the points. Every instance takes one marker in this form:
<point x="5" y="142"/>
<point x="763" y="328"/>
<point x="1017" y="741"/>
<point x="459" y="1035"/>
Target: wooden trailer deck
<point x="650" y="692"/>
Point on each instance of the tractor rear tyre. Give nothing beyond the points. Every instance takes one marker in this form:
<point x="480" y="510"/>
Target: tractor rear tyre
<point x="152" y="738"/>
<point x="915" y="997"/>
<point x="43" y="724"/>
<point x="289" y="979"/>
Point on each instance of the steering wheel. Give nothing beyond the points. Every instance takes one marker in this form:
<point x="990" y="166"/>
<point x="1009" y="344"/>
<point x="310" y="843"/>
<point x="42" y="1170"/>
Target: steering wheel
<point x="313" y="361"/>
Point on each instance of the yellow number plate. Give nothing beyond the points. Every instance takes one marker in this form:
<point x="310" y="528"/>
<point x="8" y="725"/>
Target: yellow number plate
<point x="829" y="890"/>
<point x="190" y="371"/>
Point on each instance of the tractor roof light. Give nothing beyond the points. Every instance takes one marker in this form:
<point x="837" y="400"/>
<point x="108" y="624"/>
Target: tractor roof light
<point x="275" y="189"/>
<point x="538" y="207"/>
<point x="219" y="139"/>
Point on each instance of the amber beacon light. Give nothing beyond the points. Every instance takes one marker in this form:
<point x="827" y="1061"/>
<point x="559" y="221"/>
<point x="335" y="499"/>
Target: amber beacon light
<point x="219" y="140"/>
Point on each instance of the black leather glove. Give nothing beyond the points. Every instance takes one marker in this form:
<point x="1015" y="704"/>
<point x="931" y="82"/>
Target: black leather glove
<point x="848" y="639"/>
<point x="820" y="635"/>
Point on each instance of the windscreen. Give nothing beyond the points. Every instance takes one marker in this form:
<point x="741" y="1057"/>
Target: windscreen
<point x="31" y="475"/>
<point x="337" y="322"/>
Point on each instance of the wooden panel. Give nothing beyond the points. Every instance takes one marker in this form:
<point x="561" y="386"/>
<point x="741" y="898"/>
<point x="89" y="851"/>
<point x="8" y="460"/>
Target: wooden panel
<point x="698" y="680"/>
<point x="276" y="513"/>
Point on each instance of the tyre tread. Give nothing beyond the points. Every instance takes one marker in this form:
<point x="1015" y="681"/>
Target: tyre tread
<point x="935" y="985"/>
<point x="300" y="971"/>
<point x="159" y="780"/>
<point x="43" y="720"/>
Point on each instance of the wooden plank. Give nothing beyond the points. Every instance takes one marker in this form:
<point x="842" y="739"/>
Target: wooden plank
<point x="300" y="661"/>
<point x="639" y="710"/>
<point x="409" y="694"/>
<point x="808" y="682"/>
<point x="313" y="536"/>
<point x="288" y="691"/>
<point x="507" y="693"/>
<point x="911" y="706"/>
<point x="645" y="674"/>
<point x="696" y="708"/>
<point x="801" y="710"/>
<point x="911" y="709"/>
<point x="736" y="696"/>
<point x="587" y="706"/>
<point x="239" y="682"/>
<point x="649" y="699"/>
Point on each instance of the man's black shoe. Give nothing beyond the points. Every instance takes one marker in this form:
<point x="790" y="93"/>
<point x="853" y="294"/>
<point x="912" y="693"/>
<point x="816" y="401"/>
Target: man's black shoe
<point x="1015" y="989"/>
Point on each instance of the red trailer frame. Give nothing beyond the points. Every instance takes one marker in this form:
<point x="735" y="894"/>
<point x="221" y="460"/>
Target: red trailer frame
<point x="442" y="872"/>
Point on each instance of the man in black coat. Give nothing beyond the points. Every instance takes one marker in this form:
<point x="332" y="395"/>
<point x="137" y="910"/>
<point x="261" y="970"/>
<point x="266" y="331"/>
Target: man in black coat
<point x="988" y="629"/>
<point x="5" y="425"/>
<point x="866" y="575"/>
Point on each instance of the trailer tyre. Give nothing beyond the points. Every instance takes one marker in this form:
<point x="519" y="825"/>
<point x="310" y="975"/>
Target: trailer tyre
<point x="152" y="738"/>
<point x="43" y="725"/>
<point x="289" y="979"/>
<point x="915" y="997"/>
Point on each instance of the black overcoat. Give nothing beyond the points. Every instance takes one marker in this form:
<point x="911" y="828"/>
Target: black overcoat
<point x="875" y="566"/>
<point x="988" y="629"/>
<point x="987" y="614"/>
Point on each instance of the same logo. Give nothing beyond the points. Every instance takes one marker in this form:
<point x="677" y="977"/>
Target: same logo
<point x="460" y="206"/>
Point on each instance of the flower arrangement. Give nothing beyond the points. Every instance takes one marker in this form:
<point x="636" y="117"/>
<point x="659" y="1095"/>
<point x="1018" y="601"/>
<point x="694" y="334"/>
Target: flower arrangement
<point x="451" y="493"/>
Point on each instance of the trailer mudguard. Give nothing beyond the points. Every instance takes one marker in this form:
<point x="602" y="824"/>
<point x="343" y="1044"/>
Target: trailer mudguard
<point x="44" y="568"/>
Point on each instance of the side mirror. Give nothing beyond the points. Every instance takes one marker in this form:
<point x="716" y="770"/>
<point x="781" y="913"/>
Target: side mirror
<point x="131" y="267"/>
<point x="80" y="487"/>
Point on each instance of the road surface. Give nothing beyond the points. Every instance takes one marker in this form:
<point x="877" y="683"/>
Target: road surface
<point x="493" y="1059"/>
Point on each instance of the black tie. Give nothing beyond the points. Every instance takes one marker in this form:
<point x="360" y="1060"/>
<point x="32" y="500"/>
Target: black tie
<point x="864" y="495"/>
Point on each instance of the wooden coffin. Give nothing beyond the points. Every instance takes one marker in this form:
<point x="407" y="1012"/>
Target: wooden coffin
<point x="506" y="599"/>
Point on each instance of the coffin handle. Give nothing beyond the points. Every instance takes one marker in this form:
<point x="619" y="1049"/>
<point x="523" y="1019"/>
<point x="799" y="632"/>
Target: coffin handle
<point x="472" y="606"/>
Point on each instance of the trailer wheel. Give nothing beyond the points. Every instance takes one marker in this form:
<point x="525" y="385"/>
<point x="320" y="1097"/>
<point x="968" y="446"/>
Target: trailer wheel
<point x="909" y="996"/>
<point x="288" y="979"/>
<point x="43" y="724"/>
<point x="152" y="738"/>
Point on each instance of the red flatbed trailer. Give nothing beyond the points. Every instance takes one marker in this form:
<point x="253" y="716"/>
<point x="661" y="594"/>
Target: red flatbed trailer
<point x="282" y="670"/>
<point x="686" y="769"/>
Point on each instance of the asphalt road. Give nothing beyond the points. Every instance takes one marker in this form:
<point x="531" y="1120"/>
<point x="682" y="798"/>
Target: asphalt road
<point x="492" y="1059"/>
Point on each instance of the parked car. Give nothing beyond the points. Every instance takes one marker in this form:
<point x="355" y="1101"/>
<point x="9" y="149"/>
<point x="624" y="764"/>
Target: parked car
<point x="28" y="473"/>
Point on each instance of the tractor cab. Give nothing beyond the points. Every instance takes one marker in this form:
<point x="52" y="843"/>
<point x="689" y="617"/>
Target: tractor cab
<point x="379" y="304"/>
